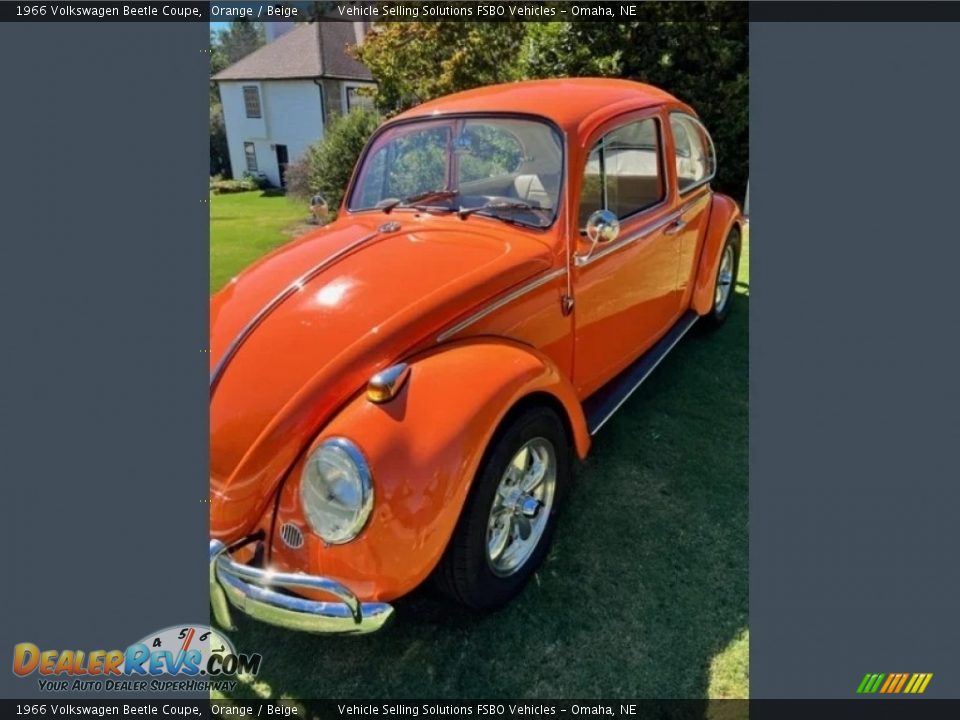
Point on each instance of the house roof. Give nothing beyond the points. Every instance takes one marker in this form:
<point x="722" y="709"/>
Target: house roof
<point x="308" y="51"/>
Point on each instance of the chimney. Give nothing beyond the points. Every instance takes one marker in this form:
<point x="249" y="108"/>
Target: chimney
<point x="360" y="30"/>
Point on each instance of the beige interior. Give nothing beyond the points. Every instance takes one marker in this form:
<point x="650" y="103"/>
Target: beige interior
<point x="531" y="189"/>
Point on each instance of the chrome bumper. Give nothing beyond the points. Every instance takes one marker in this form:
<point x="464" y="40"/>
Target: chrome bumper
<point x="248" y="589"/>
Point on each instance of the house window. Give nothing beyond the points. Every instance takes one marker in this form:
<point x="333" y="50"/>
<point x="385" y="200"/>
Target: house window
<point x="355" y="98"/>
<point x="251" y="101"/>
<point x="250" y="152"/>
<point x="623" y="172"/>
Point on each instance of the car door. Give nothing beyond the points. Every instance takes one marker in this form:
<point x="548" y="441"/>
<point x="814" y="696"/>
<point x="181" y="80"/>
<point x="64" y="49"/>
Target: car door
<point x="625" y="290"/>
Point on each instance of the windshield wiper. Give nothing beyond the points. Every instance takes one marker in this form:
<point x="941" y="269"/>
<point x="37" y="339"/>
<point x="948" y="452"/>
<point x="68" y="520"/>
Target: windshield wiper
<point x="389" y="204"/>
<point x="464" y="213"/>
<point x="430" y="195"/>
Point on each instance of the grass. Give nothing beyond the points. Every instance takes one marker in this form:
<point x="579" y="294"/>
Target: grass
<point x="644" y="593"/>
<point x="246" y="225"/>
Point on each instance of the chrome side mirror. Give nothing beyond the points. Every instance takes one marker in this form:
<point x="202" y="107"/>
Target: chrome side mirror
<point x="602" y="227"/>
<point x="319" y="209"/>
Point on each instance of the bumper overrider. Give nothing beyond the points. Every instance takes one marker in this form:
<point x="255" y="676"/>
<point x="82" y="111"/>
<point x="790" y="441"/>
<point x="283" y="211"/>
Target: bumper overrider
<point x="254" y="591"/>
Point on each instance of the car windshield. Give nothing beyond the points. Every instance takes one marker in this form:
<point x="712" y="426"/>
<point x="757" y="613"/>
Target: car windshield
<point x="501" y="167"/>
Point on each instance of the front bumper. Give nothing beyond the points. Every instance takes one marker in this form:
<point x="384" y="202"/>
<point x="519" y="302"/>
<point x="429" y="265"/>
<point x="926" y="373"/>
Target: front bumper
<point x="250" y="590"/>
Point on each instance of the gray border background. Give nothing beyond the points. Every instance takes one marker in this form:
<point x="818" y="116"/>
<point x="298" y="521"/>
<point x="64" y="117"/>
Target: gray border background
<point x="854" y="356"/>
<point x="103" y="285"/>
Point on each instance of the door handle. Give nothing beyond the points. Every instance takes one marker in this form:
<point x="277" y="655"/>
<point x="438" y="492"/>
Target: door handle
<point x="675" y="227"/>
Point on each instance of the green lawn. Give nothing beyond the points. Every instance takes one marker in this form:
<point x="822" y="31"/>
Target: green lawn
<point x="645" y="591"/>
<point x="244" y="226"/>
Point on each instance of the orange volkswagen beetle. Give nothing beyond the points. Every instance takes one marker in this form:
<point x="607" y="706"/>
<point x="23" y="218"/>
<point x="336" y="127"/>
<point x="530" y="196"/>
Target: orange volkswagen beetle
<point x="404" y="393"/>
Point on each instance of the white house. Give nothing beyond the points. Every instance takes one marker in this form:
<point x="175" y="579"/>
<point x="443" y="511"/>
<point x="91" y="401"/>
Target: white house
<point x="278" y="99"/>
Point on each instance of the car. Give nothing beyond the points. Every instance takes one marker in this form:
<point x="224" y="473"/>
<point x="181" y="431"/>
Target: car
<point x="403" y="394"/>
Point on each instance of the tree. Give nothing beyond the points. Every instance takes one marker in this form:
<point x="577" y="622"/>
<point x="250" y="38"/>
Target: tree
<point x="326" y="167"/>
<point x="219" y="153"/>
<point x="416" y="61"/>
<point x="697" y="51"/>
<point x="240" y="39"/>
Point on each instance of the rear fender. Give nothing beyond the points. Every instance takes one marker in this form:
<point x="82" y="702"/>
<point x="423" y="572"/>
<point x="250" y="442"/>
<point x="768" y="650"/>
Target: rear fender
<point x="724" y="214"/>
<point x="424" y="448"/>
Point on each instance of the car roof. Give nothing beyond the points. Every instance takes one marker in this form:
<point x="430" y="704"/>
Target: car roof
<point x="566" y="101"/>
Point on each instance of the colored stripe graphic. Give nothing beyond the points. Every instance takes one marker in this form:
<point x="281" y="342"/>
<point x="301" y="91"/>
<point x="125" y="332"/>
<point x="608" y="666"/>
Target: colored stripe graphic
<point x="894" y="683"/>
<point x="870" y="683"/>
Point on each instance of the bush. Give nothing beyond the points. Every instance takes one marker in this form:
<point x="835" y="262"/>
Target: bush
<point x="326" y="167"/>
<point x="248" y="182"/>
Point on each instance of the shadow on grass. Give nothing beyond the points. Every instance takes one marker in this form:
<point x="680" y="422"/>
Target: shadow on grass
<point x="645" y="585"/>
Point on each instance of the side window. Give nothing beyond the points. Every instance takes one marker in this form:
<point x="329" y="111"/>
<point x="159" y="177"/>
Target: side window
<point x="623" y="172"/>
<point x="696" y="162"/>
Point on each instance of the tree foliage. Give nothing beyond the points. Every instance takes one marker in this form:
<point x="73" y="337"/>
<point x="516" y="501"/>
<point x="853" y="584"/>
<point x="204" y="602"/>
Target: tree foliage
<point x="418" y="61"/>
<point x="327" y="165"/>
<point x="239" y="39"/>
<point x="219" y="152"/>
<point x="697" y="51"/>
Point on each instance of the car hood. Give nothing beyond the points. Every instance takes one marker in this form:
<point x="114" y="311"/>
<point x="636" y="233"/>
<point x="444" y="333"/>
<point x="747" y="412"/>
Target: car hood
<point x="300" y="332"/>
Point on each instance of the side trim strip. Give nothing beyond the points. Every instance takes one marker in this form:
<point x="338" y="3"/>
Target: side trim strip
<point x="649" y="229"/>
<point x="497" y="304"/>
<point x="295" y="287"/>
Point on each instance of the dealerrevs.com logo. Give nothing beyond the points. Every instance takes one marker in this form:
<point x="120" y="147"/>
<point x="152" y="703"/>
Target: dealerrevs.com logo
<point x="177" y="658"/>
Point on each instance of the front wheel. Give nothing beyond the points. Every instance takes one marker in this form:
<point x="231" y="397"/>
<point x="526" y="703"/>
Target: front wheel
<point x="506" y="527"/>
<point x="725" y="282"/>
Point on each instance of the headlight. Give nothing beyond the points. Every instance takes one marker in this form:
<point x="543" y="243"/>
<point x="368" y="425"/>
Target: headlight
<point x="336" y="491"/>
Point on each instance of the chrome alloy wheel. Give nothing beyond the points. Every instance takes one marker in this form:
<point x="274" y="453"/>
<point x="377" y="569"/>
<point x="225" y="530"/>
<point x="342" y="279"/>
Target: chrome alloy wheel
<point x="724" y="280"/>
<point x="521" y="508"/>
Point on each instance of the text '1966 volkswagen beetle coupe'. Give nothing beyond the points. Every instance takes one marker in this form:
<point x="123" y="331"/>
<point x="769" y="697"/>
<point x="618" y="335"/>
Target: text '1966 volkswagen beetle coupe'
<point x="404" y="393"/>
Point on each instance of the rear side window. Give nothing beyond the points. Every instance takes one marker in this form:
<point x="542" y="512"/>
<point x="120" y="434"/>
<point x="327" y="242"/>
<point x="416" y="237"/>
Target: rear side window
<point x="623" y="172"/>
<point x="695" y="158"/>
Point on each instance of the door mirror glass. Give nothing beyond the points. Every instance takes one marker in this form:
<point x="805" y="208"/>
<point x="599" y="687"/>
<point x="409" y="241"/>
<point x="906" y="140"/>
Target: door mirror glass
<point x="602" y="227"/>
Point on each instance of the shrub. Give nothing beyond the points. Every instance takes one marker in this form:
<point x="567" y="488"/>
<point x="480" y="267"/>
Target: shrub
<point x="247" y="183"/>
<point x="326" y="167"/>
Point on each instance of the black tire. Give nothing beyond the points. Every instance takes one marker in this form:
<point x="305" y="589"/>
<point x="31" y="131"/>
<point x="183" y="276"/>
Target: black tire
<point x="465" y="572"/>
<point x="718" y="313"/>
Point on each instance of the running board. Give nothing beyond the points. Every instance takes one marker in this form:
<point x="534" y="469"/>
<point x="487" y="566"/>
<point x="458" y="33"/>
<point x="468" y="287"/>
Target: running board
<point x="601" y="406"/>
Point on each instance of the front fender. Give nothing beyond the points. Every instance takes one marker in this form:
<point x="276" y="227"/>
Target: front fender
<point x="424" y="448"/>
<point x="724" y="214"/>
